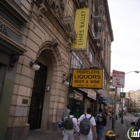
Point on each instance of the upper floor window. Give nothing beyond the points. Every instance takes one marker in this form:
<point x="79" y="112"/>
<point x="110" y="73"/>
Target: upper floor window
<point x="76" y="61"/>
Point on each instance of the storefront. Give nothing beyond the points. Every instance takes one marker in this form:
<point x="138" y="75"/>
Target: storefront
<point x="80" y="100"/>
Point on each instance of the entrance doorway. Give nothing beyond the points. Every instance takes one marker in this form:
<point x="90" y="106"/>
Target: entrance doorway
<point x="37" y="98"/>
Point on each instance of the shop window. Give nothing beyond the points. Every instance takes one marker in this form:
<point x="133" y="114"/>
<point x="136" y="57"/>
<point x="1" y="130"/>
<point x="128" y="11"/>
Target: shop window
<point x="2" y="76"/>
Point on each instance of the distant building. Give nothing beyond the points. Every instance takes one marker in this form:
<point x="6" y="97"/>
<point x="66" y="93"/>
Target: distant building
<point x="137" y="98"/>
<point x="130" y="100"/>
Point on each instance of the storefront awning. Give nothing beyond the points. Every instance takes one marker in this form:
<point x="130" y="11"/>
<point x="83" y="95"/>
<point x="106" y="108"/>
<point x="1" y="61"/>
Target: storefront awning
<point x="90" y="93"/>
<point x="103" y="92"/>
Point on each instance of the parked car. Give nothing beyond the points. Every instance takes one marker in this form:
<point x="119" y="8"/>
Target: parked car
<point x="137" y="114"/>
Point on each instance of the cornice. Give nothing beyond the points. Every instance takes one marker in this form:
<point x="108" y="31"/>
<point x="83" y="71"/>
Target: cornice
<point x="15" y="10"/>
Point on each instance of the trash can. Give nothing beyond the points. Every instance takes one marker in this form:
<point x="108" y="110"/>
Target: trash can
<point x="110" y="135"/>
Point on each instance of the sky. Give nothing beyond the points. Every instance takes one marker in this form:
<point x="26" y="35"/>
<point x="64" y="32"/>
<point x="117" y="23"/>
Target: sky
<point x="125" y="49"/>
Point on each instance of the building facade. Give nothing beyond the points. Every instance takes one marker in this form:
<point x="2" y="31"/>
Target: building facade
<point x="41" y="32"/>
<point x="137" y="99"/>
<point x="131" y="101"/>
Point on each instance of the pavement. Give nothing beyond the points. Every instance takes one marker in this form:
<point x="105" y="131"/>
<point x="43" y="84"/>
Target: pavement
<point x="120" y="129"/>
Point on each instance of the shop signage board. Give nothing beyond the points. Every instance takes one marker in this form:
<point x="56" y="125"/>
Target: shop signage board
<point x="78" y="96"/>
<point x="87" y="78"/>
<point x="118" y="78"/>
<point x="106" y="100"/>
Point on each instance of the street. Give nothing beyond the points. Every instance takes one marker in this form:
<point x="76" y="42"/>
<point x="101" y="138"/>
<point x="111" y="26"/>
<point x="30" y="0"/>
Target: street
<point x="128" y="119"/>
<point x="121" y="130"/>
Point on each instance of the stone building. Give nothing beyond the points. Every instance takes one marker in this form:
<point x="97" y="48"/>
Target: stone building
<point x="130" y="100"/>
<point x="137" y="99"/>
<point x="40" y="34"/>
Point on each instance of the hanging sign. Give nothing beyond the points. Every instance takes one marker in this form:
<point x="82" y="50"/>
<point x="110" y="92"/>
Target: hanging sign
<point x="81" y="28"/>
<point x="118" y="78"/>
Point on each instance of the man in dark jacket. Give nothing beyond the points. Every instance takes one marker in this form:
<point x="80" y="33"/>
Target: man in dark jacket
<point x="101" y="121"/>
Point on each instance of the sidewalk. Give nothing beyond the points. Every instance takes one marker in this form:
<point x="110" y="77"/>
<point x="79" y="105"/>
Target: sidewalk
<point x="49" y="135"/>
<point x="120" y="129"/>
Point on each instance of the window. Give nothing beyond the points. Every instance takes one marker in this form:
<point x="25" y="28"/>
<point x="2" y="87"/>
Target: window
<point x="2" y="76"/>
<point x="91" y="56"/>
<point x="93" y="32"/>
<point x="76" y="62"/>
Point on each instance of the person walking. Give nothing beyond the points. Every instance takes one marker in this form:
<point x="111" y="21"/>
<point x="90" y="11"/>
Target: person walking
<point x="65" y="113"/>
<point x="92" y="126"/>
<point x="101" y="121"/>
<point x="70" y="127"/>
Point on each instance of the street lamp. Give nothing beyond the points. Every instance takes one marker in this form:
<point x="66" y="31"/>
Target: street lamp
<point x="122" y="120"/>
<point x="132" y="71"/>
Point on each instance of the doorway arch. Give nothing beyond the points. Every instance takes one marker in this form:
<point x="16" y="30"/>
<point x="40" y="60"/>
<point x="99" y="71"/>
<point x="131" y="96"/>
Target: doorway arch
<point x="49" y="58"/>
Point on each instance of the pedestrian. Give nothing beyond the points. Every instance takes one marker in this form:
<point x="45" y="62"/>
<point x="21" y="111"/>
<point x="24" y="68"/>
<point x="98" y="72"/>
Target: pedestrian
<point x="70" y="127"/>
<point x="66" y="113"/>
<point x="92" y="126"/>
<point x="113" y="119"/>
<point x="101" y="121"/>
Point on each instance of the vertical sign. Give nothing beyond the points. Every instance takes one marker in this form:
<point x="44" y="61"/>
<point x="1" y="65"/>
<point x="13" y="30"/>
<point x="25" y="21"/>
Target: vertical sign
<point x="118" y="78"/>
<point x="81" y="28"/>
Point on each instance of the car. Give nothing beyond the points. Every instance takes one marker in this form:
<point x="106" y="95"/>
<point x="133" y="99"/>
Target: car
<point x="137" y="114"/>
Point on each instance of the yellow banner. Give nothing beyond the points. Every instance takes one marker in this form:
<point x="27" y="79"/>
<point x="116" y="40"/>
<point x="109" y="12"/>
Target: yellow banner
<point x="87" y="78"/>
<point x="81" y="28"/>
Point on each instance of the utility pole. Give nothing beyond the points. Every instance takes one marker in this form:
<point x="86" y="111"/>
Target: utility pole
<point x="122" y="96"/>
<point x="115" y="109"/>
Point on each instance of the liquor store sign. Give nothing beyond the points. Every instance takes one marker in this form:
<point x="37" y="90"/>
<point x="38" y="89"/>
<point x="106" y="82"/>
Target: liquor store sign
<point x="87" y="78"/>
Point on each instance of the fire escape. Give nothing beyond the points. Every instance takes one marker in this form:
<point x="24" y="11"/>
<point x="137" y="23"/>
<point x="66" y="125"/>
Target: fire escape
<point x="98" y="22"/>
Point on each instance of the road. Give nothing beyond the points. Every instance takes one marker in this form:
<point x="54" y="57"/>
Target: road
<point x="129" y="119"/>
